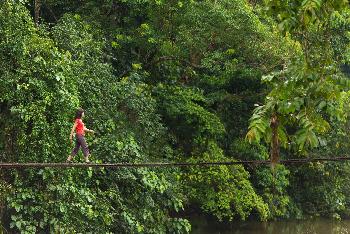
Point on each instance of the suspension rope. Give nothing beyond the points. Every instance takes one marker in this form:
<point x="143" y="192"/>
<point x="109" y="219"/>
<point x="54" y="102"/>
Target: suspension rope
<point x="169" y="164"/>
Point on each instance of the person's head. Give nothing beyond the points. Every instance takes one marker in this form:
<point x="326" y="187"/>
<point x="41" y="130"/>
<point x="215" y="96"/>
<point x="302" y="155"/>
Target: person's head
<point x="79" y="114"/>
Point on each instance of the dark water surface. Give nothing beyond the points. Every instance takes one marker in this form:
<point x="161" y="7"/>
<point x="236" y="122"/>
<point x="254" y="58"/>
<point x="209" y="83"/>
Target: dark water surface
<point x="314" y="226"/>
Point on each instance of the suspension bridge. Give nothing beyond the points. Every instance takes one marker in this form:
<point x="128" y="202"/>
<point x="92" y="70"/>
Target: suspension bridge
<point x="4" y="165"/>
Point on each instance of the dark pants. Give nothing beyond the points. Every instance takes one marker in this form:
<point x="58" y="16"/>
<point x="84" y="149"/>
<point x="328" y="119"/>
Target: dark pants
<point x="80" y="141"/>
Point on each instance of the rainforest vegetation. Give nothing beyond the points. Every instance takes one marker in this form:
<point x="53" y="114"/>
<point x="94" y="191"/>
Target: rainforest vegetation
<point x="173" y="81"/>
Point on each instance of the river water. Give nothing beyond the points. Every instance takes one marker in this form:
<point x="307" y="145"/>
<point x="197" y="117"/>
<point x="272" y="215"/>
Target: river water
<point x="314" y="226"/>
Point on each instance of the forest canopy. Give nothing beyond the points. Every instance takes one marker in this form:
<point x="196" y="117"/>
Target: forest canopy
<point x="173" y="81"/>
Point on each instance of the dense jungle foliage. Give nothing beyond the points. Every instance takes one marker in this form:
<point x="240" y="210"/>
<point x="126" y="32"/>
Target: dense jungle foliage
<point x="173" y="81"/>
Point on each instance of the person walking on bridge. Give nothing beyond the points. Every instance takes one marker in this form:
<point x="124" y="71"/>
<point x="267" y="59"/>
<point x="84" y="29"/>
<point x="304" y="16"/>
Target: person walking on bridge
<point x="80" y="141"/>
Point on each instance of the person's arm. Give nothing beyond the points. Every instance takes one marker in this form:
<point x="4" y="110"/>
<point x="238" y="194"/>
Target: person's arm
<point x="88" y="130"/>
<point x="72" y="132"/>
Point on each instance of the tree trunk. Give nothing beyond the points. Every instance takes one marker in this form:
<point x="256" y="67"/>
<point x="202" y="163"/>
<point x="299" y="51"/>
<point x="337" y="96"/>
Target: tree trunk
<point x="37" y="6"/>
<point x="275" y="153"/>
